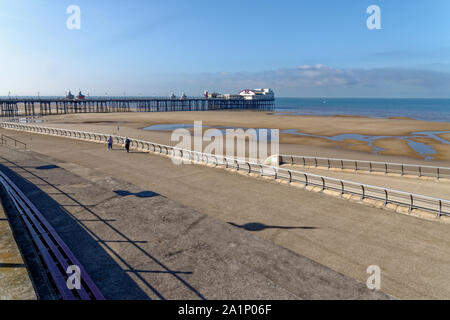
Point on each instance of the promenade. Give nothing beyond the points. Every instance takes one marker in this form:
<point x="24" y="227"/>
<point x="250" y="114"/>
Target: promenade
<point x="346" y="237"/>
<point x="138" y="244"/>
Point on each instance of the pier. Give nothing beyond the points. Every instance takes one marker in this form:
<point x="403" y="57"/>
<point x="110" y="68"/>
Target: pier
<point x="11" y="107"/>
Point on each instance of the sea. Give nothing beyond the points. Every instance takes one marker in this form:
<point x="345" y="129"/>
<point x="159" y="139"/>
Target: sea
<point x="420" y="109"/>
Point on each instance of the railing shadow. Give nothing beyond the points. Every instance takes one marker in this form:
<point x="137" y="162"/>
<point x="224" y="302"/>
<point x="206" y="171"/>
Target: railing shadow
<point x="142" y="194"/>
<point x="12" y="265"/>
<point x="47" y="167"/>
<point x="256" y="226"/>
<point x="115" y="283"/>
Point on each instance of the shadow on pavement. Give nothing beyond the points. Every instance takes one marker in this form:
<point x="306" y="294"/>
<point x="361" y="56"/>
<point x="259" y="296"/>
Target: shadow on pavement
<point x="142" y="194"/>
<point x="49" y="167"/>
<point x="256" y="226"/>
<point x="112" y="280"/>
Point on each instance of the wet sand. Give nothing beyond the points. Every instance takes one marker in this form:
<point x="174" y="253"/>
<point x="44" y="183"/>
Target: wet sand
<point x="317" y="125"/>
<point x="445" y="136"/>
<point x="442" y="150"/>
<point x="396" y="147"/>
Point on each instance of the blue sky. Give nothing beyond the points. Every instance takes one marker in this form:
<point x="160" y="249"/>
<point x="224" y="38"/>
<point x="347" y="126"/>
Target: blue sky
<point x="299" y="48"/>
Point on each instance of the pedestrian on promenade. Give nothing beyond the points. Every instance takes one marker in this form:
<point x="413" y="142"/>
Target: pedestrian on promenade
<point x="127" y="144"/>
<point x="110" y="143"/>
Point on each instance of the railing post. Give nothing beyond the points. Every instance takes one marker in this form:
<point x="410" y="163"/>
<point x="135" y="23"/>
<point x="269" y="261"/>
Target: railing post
<point x="385" y="168"/>
<point x="370" y="166"/>
<point x="290" y="176"/>
<point x="440" y="209"/>
<point x="412" y="203"/>
<point x="329" y="165"/>
<point x="342" y="164"/>
<point x="342" y="188"/>
<point x="363" y="192"/>
<point x="437" y="174"/>
<point x="402" y="170"/>
<point x="420" y="171"/>
<point x="386" y="200"/>
<point x="315" y="161"/>
<point x="323" y="183"/>
<point x="356" y="165"/>
<point x="306" y="179"/>
<point x="292" y="160"/>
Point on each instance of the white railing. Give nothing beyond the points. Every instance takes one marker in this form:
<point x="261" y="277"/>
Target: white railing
<point x="365" y="191"/>
<point x="370" y="166"/>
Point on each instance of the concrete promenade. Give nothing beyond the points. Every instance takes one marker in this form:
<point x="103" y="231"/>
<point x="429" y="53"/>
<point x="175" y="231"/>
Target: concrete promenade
<point x="15" y="283"/>
<point x="138" y="244"/>
<point x="347" y="237"/>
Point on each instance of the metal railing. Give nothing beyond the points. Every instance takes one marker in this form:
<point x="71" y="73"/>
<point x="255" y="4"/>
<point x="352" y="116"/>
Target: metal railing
<point x="370" y="166"/>
<point x="54" y="253"/>
<point x="387" y="196"/>
<point x="4" y="140"/>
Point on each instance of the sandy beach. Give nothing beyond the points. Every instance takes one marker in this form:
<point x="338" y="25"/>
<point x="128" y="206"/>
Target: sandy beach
<point x="325" y="127"/>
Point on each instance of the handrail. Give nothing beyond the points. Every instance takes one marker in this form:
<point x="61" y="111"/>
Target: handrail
<point x="11" y="138"/>
<point x="54" y="253"/>
<point x="430" y="204"/>
<point x="371" y="166"/>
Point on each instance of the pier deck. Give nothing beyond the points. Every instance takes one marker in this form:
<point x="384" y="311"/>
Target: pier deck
<point x="48" y="106"/>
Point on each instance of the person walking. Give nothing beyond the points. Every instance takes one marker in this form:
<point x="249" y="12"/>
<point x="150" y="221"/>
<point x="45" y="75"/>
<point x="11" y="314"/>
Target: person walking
<point x="127" y="144"/>
<point x="110" y="143"/>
